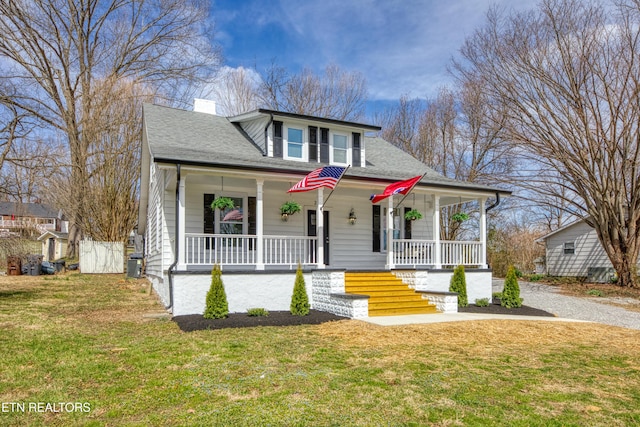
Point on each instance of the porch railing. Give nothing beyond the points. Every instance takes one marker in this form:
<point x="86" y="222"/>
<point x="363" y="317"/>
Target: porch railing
<point x="241" y="249"/>
<point x="422" y="252"/>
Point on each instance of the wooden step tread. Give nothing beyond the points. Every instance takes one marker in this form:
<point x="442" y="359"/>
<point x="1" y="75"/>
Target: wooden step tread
<point x="402" y="311"/>
<point x="374" y="305"/>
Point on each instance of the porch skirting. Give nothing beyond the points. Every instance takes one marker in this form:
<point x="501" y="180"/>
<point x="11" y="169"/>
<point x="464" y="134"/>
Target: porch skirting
<point x="272" y="290"/>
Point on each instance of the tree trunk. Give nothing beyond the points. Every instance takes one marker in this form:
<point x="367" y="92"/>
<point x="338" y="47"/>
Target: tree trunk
<point x="625" y="266"/>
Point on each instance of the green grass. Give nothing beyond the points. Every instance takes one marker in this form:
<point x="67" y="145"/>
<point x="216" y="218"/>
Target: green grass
<point x="80" y="338"/>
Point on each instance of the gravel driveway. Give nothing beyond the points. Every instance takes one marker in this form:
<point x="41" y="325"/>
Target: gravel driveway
<point x="590" y="309"/>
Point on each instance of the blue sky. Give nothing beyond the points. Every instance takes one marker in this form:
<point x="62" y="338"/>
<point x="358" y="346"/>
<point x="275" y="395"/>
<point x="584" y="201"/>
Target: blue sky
<point x="401" y="46"/>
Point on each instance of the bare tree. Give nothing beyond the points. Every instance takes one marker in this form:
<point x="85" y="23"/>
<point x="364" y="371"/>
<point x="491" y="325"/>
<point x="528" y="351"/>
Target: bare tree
<point x="29" y="168"/>
<point x="453" y="135"/>
<point x="337" y="94"/>
<point x="568" y="74"/>
<point x="236" y="91"/>
<point x="56" y="51"/>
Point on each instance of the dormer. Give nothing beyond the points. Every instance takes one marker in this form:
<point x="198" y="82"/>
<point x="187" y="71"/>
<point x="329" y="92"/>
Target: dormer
<point x="310" y="139"/>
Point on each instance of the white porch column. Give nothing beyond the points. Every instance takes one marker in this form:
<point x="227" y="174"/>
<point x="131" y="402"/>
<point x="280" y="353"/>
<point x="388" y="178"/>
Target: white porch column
<point x="259" y="225"/>
<point x="437" y="256"/>
<point x="182" y="238"/>
<point x="483" y="233"/>
<point x="390" y="263"/>
<point x="320" y="229"/>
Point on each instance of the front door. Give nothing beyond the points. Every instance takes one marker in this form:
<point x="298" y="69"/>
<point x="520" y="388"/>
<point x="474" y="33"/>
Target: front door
<point x="312" y="230"/>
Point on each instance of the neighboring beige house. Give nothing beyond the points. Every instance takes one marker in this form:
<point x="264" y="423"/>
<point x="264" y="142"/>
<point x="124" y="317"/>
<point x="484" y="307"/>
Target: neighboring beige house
<point x="575" y="251"/>
<point x="190" y="158"/>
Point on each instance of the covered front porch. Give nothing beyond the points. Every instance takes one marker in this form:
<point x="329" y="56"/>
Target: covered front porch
<point x="339" y="229"/>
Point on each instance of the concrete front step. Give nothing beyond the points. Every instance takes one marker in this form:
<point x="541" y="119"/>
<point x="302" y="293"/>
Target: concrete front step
<point x="401" y="311"/>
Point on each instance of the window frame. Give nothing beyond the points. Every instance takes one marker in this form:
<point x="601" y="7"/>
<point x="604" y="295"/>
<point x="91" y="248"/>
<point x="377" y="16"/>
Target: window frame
<point x="569" y="248"/>
<point x="303" y="143"/>
<point x="333" y="148"/>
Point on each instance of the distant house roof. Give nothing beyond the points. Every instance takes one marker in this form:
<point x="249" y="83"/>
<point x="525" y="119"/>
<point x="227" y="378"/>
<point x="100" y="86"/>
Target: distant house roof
<point x="33" y="210"/>
<point x="55" y="234"/>
<point x="559" y="230"/>
<point x="192" y="138"/>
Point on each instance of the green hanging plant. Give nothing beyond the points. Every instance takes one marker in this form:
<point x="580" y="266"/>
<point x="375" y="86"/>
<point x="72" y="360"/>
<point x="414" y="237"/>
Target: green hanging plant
<point x="412" y="215"/>
<point x="223" y="203"/>
<point x="460" y="217"/>
<point x="289" y="208"/>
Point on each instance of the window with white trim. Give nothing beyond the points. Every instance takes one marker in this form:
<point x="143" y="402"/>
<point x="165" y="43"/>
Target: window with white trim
<point x="340" y="149"/>
<point x="569" y="248"/>
<point x="295" y="143"/>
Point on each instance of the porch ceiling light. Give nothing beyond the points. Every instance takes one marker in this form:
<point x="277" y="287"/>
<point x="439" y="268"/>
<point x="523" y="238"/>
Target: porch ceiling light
<point x="352" y="217"/>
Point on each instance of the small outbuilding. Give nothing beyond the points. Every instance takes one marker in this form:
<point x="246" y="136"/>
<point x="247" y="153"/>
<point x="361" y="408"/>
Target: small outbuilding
<point x="54" y="245"/>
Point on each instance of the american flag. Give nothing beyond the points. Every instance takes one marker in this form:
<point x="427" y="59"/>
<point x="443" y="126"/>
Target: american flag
<point x="327" y="176"/>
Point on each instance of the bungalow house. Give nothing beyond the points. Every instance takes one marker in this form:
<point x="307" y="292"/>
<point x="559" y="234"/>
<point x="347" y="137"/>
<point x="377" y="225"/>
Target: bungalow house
<point x="575" y="251"/>
<point x="359" y="258"/>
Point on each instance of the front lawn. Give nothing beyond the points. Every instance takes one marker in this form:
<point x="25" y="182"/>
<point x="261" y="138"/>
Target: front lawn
<point x="83" y="340"/>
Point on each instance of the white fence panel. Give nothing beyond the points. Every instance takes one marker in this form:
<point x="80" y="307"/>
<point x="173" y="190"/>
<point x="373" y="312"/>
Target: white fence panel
<point x="101" y="257"/>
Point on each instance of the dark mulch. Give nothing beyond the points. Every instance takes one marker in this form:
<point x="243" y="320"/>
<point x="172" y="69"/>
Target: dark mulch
<point x="195" y="322"/>
<point x="496" y="308"/>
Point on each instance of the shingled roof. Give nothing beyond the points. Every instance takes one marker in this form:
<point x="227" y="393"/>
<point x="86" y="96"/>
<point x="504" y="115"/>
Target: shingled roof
<point x="187" y="137"/>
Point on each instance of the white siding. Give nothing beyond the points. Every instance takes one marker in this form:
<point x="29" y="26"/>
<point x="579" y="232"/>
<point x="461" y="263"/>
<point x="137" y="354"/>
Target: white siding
<point x="588" y="251"/>
<point x="255" y="130"/>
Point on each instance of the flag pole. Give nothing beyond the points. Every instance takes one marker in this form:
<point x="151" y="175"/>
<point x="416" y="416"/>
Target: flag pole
<point x="334" y="187"/>
<point x="409" y="192"/>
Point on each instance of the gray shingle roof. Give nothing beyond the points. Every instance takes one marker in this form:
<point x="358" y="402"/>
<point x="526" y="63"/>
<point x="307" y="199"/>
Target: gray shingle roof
<point x="33" y="210"/>
<point x="179" y="136"/>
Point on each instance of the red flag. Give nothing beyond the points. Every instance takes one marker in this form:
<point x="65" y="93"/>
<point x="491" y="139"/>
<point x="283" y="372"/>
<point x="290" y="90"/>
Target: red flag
<point x="327" y="176"/>
<point x="400" y="187"/>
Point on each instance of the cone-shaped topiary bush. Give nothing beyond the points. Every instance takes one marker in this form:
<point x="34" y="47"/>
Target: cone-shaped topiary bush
<point x="511" y="292"/>
<point x="217" y="305"/>
<point x="299" y="299"/>
<point x="459" y="285"/>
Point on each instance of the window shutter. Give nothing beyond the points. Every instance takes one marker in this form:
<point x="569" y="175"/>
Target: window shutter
<point x="313" y="144"/>
<point x="277" y="139"/>
<point x="376" y="228"/>
<point x="324" y="145"/>
<point x="407" y="225"/>
<point x="355" y="154"/>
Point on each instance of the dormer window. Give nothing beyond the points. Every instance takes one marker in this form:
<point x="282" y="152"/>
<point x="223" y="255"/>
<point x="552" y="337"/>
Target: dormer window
<point x="340" y="148"/>
<point x="295" y="143"/>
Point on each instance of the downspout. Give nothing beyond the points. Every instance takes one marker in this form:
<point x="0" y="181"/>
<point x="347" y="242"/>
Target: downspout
<point x="172" y="267"/>
<point x="266" y="137"/>
<point x="495" y="204"/>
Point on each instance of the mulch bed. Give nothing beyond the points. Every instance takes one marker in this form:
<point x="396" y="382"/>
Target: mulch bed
<point x="195" y="322"/>
<point x="496" y="308"/>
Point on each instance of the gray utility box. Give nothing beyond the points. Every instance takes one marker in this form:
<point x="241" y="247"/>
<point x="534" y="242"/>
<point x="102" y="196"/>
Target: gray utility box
<point x="134" y="266"/>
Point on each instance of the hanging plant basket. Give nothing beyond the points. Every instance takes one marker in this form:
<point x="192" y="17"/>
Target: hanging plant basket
<point x="412" y="215"/>
<point x="223" y="203"/>
<point x="460" y="217"/>
<point x="289" y="208"/>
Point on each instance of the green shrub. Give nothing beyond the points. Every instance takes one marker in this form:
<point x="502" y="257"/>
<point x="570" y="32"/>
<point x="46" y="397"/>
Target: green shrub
<point x="459" y="284"/>
<point x="595" y="293"/>
<point x="497" y="295"/>
<point x="257" y="312"/>
<point x="536" y="277"/>
<point x="482" y="302"/>
<point x="217" y="306"/>
<point x="299" y="299"/>
<point x="511" y="292"/>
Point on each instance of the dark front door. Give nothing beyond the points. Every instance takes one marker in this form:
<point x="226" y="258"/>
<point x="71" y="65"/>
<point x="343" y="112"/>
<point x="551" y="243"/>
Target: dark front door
<point x="312" y="230"/>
